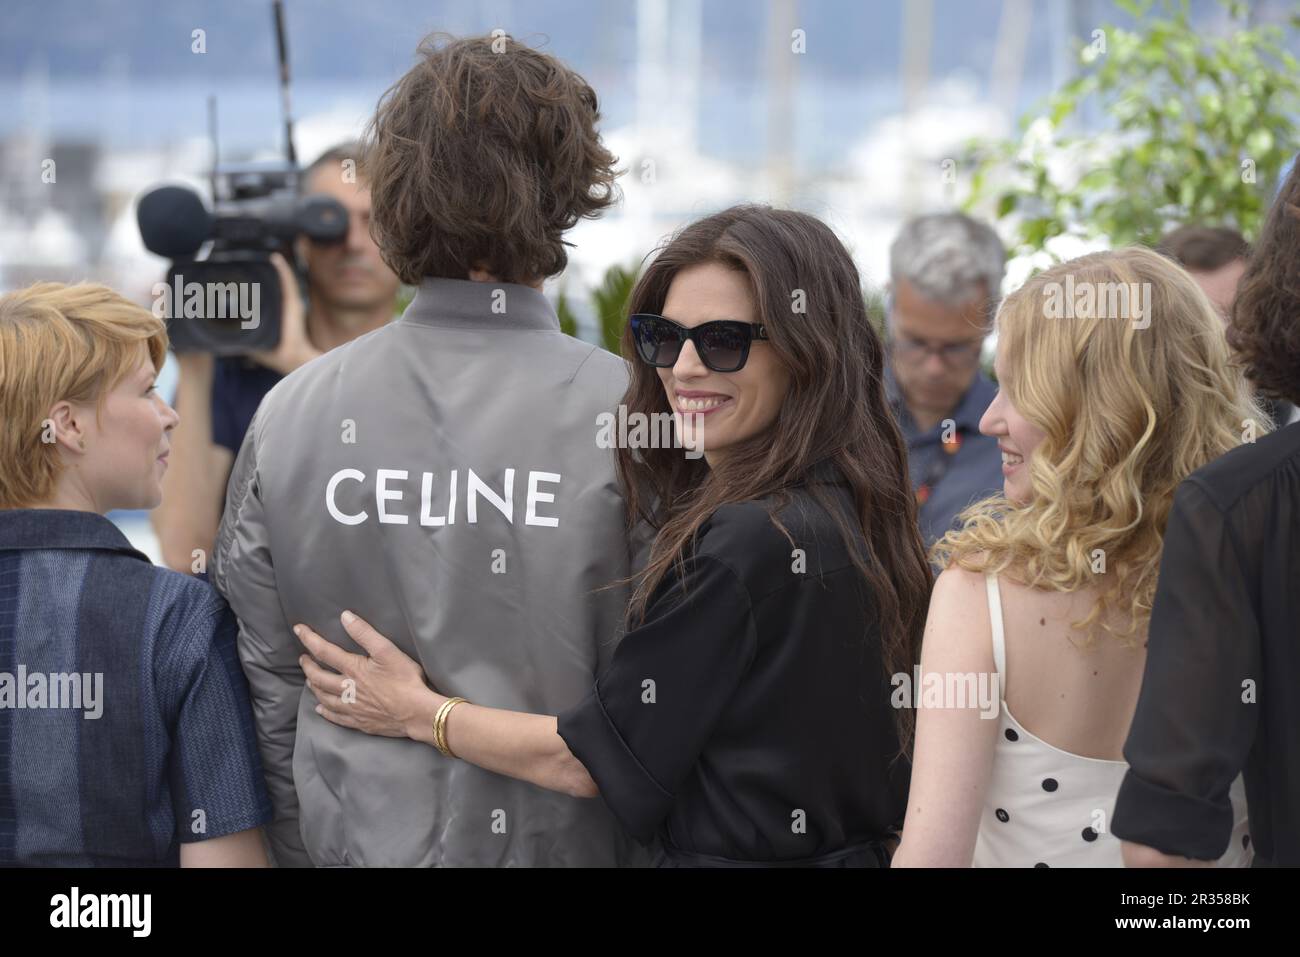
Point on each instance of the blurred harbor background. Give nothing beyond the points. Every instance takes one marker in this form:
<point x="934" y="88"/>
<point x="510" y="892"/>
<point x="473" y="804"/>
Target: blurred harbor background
<point x="702" y="101"/>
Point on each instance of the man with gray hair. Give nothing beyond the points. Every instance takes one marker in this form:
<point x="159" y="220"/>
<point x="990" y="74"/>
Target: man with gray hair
<point x="946" y="274"/>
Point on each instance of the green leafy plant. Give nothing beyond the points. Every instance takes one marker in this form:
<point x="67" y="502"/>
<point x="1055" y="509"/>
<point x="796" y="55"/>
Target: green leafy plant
<point x="874" y="297"/>
<point x="568" y="321"/>
<point x="1199" y="129"/>
<point x="609" y="301"/>
<point x="405" y="294"/>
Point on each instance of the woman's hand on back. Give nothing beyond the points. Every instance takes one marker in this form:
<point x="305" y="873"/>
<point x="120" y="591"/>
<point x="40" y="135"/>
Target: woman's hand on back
<point x="381" y="692"/>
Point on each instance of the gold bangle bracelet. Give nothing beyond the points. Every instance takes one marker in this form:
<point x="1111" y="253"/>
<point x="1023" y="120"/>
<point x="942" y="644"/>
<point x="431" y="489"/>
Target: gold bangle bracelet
<point x="437" y="728"/>
<point x="437" y="715"/>
<point x="440" y="726"/>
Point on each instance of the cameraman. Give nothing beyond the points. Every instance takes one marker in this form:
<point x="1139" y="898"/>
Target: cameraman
<point x="351" y="291"/>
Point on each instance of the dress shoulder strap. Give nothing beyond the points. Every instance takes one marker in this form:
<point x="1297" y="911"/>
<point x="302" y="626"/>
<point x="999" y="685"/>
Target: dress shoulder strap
<point x="999" y="637"/>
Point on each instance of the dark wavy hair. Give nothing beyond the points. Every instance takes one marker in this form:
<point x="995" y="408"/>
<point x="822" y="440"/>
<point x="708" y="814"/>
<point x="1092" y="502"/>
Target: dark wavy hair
<point x="1265" y="325"/>
<point x="836" y="409"/>
<point x="484" y="152"/>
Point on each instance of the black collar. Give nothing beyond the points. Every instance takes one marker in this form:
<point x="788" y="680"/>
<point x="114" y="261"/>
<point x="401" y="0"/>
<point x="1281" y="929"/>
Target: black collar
<point x="39" y="528"/>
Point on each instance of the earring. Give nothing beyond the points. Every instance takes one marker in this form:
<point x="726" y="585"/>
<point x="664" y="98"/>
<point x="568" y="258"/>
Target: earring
<point x="82" y="444"/>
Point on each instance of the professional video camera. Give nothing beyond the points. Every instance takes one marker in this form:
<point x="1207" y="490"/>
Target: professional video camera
<point x="226" y="299"/>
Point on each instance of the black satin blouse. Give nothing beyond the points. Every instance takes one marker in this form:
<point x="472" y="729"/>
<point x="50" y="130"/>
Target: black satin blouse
<point x="747" y="722"/>
<point x="1221" y="691"/>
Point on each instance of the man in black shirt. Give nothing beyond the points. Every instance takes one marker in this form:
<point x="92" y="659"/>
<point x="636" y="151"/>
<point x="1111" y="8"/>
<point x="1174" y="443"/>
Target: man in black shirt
<point x="1223" y="657"/>
<point x="350" y="291"/>
<point x="1217" y="698"/>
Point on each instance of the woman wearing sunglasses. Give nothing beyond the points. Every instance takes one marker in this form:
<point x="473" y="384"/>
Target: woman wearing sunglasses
<point x="745" y="718"/>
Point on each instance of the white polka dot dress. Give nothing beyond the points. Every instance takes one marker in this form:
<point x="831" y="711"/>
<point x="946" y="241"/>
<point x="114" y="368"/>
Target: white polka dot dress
<point x="1051" y="808"/>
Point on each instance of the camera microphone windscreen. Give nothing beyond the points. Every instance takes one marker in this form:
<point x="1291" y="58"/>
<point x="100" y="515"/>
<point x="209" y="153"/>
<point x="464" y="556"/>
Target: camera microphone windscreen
<point x="173" y="221"/>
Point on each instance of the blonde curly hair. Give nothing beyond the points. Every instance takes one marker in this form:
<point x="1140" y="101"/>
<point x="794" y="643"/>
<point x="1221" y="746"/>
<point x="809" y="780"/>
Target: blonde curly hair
<point x="1131" y="401"/>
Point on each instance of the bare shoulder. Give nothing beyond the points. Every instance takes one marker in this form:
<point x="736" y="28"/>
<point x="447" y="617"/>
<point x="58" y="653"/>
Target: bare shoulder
<point x="958" y="624"/>
<point x="955" y="581"/>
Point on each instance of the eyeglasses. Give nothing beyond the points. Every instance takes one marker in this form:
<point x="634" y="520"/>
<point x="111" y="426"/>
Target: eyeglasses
<point x="723" y="345"/>
<point x="952" y="354"/>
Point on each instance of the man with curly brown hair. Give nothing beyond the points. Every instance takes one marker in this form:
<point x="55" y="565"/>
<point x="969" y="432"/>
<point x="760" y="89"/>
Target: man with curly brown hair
<point x="441" y="477"/>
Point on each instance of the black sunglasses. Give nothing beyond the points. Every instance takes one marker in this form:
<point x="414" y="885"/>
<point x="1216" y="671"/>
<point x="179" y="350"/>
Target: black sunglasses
<point x="723" y="344"/>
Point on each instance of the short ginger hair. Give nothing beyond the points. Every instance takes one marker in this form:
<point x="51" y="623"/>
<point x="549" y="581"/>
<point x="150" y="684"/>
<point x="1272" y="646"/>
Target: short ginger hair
<point x="57" y="342"/>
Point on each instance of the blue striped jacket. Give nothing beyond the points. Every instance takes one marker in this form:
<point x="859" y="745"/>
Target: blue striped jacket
<point x="125" y="724"/>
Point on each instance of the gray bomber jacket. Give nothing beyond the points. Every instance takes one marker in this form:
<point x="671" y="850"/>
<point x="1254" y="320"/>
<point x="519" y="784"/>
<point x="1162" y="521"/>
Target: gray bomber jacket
<point x="440" y="477"/>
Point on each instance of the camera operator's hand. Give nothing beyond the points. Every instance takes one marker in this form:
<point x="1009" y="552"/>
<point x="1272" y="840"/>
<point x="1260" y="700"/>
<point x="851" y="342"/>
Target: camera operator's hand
<point x="196" y="371"/>
<point x="294" y="348"/>
<point x="194" y="485"/>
